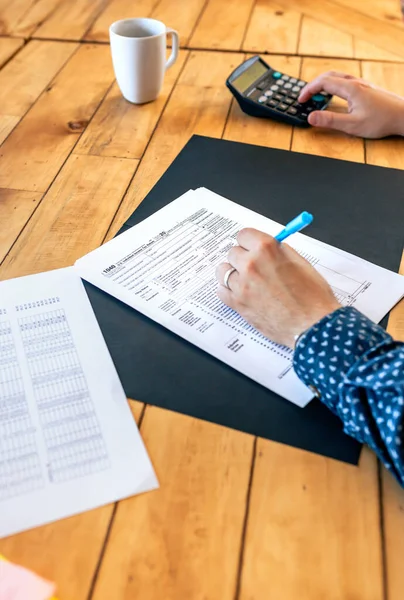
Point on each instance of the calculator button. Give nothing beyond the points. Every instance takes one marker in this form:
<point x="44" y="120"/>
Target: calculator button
<point x="293" y="80"/>
<point x="285" y="77"/>
<point x="293" y="95"/>
<point x="262" y="99"/>
<point x="280" y="83"/>
<point x="269" y="93"/>
<point x="274" y="88"/>
<point x="288" y="86"/>
<point x="288" y="101"/>
<point x="295" y="88"/>
<point x="272" y="103"/>
<point x="276" y="75"/>
<point x="303" y="115"/>
<point x="292" y="111"/>
<point x="301" y="83"/>
<point x="278" y="97"/>
<point x="282" y="106"/>
<point x="318" y="98"/>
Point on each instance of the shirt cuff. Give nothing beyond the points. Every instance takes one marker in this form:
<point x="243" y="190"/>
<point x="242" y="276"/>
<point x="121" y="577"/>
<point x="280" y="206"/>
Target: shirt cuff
<point x="326" y="353"/>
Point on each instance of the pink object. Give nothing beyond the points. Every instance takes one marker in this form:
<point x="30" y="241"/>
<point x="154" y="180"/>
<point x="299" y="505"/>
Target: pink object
<point x="17" y="583"/>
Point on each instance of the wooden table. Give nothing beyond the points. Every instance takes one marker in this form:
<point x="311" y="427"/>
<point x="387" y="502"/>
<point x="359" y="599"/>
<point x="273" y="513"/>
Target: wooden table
<point x="236" y="518"/>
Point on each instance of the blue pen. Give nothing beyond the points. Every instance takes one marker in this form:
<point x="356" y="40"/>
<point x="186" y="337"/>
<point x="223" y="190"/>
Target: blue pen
<point x="294" y="226"/>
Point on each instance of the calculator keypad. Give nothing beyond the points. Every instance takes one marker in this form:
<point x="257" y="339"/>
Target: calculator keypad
<point x="280" y="92"/>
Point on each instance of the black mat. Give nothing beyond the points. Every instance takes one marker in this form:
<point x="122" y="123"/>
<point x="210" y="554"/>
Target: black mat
<point x="357" y="208"/>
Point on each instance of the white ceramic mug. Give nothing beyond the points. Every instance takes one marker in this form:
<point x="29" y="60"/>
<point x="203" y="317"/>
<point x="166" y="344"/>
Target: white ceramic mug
<point x="138" y="48"/>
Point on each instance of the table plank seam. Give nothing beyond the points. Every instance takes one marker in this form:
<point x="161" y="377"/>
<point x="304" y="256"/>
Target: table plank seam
<point x="245" y="522"/>
<point x="197" y="21"/>
<point x="224" y="50"/>
<point x="96" y="16"/>
<point x="298" y="37"/>
<point x="247" y="25"/>
<point x="103" y="548"/>
<point x="14" y="54"/>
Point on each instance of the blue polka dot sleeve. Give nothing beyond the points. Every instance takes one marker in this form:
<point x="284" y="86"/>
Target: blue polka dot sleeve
<point x="358" y="371"/>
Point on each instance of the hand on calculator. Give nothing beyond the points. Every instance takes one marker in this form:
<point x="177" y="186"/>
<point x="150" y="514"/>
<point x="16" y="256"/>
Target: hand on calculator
<point x="372" y="111"/>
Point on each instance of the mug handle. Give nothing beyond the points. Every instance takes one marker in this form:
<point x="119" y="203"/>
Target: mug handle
<point x="175" y="44"/>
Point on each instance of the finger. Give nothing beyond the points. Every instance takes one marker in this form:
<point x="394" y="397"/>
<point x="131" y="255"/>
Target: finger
<point x="252" y="239"/>
<point x="221" y="271"/>
<point x="338" y="86"/>
<point x="332" y="120"/>
<point x="226" y="296"/>
<point x="237" y="257"/>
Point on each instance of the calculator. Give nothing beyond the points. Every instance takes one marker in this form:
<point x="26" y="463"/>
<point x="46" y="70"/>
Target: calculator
<point x="265" y="92"/>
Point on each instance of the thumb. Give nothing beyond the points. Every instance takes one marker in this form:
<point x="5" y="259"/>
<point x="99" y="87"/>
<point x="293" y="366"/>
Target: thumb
<point x="332" y="120"/>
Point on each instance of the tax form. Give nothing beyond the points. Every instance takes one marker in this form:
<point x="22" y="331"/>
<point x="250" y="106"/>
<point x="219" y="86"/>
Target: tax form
<point x="68" y="441"/>
<point x="164" y="267"/>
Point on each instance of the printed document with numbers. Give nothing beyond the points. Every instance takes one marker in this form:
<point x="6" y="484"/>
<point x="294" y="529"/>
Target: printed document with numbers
<point x="68" y="441"/>
<point x="164" y="267"/>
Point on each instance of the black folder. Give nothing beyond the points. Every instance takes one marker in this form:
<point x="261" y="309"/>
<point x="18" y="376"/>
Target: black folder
<point x="356" y="207"/>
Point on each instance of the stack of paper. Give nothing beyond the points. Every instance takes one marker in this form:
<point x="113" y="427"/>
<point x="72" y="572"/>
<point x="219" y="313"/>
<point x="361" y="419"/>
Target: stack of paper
<point x="68" y="441"/>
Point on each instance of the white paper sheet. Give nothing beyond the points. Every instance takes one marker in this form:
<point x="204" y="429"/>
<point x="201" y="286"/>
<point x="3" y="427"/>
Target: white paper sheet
<point x="164" y="267"/>
<point x="68" y="441"/>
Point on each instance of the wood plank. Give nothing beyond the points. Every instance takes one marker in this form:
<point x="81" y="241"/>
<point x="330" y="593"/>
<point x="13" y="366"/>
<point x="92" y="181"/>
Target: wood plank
<point x="66" y="552"/>
<point x="272" y="28"/>
<point x="16" y="207"/>
<point x="199" y="104"/>
<point x="366" y="50"/>
<point x="183" y="540"/>
<point x="8" y="47"/>
<point x="11" y="13"/>
<point x="7" y="125"/>
<point x="319" y="39"/>
<point x="393" y="515"/>
<point x="328" y="143"/>
<point x="37" y="13"/>
<point x="383" y="10"/>
<point x="34" y="152"/>
<point x="365" y="27"/>
<point x="114" y="11"/>
<point x="222" y="25"/>
<point x="263" y="132"/>
<point x="73" y="216"/>
<point x="71" y="19"/>
<point x="183" y="20"/>
<point x="24" y="78"/>
<point x="389" y="152"/>
<point x="122" y="129"/>
<point x="313" y="527"/>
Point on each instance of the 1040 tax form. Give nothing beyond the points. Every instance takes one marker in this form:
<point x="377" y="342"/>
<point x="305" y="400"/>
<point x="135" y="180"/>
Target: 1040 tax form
<point x="164" y="267"/>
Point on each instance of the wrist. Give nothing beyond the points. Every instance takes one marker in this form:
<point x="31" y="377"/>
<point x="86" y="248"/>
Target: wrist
<point x="315" y="318"/>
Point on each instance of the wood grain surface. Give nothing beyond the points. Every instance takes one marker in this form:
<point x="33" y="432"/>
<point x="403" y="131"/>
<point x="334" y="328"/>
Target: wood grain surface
<point x="235" y="518"/>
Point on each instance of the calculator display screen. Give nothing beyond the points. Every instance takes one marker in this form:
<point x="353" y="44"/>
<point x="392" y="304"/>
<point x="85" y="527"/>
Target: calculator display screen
<point x="247" y="78"/>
